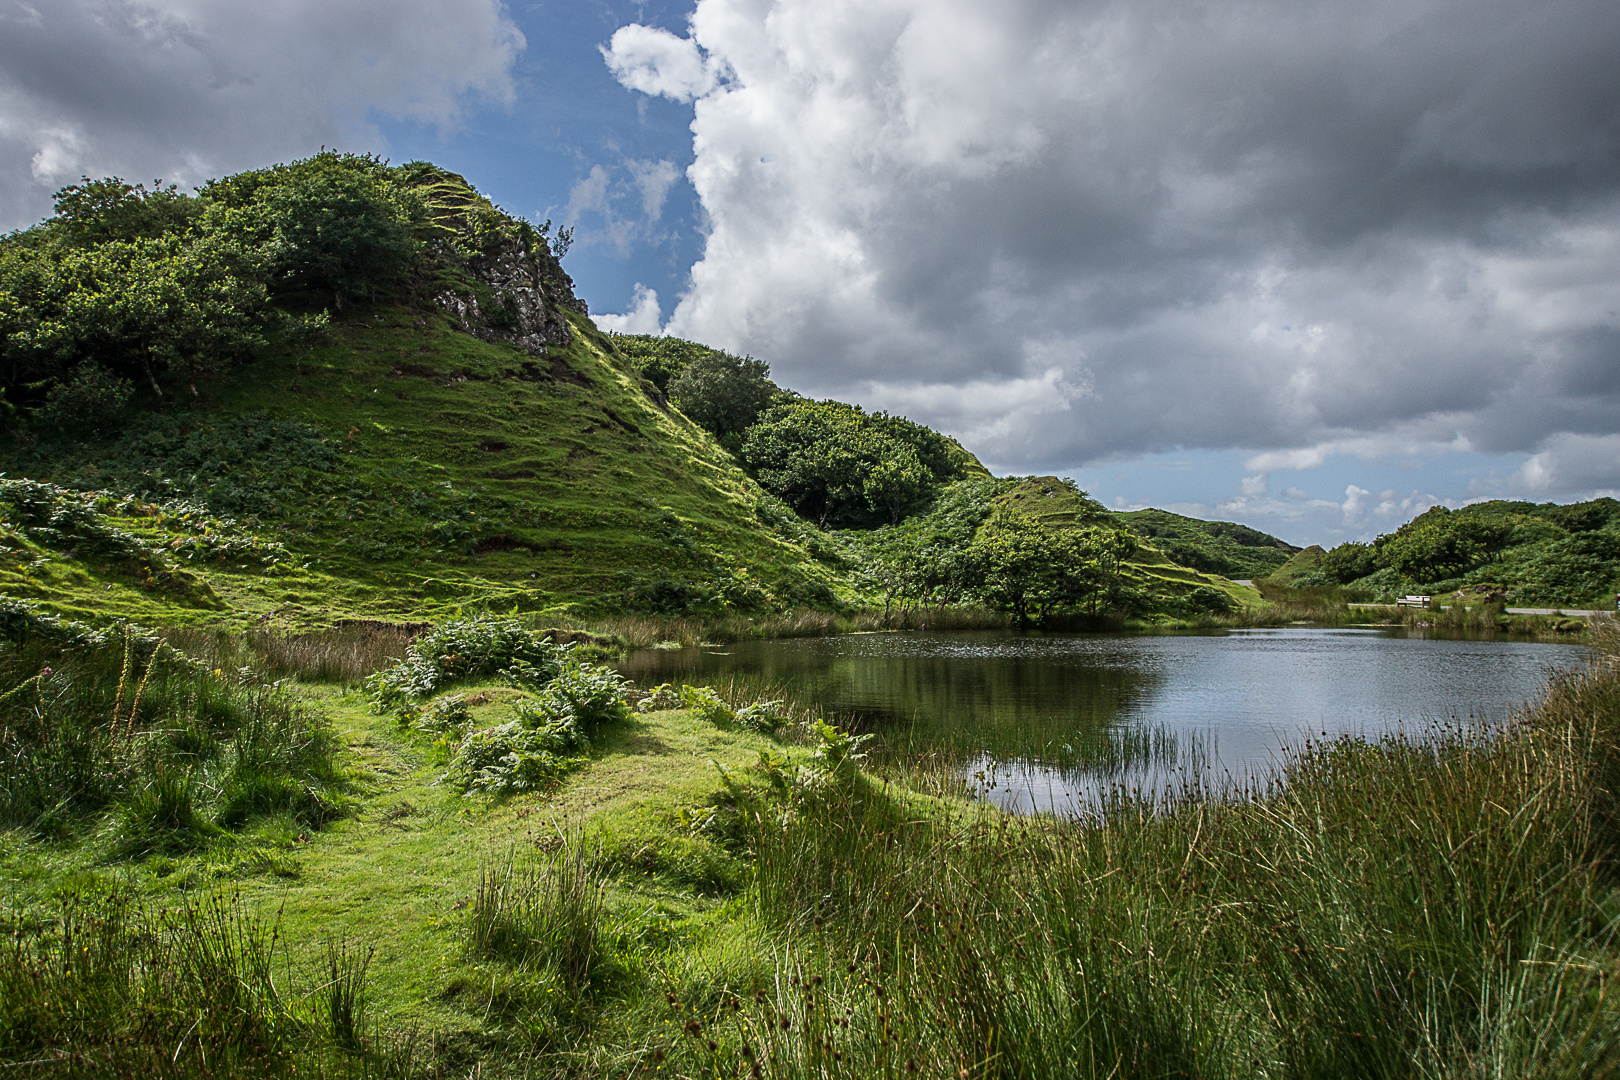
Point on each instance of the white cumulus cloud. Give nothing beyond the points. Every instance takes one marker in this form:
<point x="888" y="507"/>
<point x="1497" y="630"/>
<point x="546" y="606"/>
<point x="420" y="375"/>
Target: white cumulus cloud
<point x="1571" y="463"/>
<point x="655" y="61"/>
<point x="644" y="316"/>
<point x="1297" y="229"/>
<point x="189" y="89"/>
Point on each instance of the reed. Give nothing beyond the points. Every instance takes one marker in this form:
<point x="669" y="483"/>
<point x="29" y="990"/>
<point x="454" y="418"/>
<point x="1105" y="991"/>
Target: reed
<point x="173" y="748"/>
<point x="104" y="987"/>
<point x="648" y="631"/>
<point x="545" y="914"/>
<point x="1426" y="905"/>
<point x="346" y="654"/>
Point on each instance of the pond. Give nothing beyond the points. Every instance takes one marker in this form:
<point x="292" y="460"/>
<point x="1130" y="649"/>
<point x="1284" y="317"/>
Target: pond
<point x="1050" y="722"/>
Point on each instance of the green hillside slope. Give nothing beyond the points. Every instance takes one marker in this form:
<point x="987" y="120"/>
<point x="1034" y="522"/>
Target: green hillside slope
<point x="337" y="390"/>
<point x="932" y="559"/>
<point x="1529" y="553"/>
<point x="1060" y="505"/>
<point x="408" y="468"/>
<point x="1304" y="567"/>
<point x="1216" y="547"/>
<point x="463" y="439"/>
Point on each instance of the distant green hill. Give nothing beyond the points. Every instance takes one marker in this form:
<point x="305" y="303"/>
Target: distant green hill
<point x="1305" y="564"/>
<point x="943" y="534"/>
<point x="1215" y="547"/>
<point x="1539" y="554"/>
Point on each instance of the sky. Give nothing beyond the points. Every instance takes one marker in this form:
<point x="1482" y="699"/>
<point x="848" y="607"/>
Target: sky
<point x="1313" y="266"/>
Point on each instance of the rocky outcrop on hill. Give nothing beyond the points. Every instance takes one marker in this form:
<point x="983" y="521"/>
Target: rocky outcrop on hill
<point x="496" y="274"/>
<point x="517" y="296"/>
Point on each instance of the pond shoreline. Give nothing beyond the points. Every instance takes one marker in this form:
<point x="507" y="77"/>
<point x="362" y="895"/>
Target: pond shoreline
<point x="1073" y="713"/>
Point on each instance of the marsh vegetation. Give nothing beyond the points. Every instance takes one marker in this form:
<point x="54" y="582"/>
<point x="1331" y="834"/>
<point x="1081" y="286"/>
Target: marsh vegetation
<point x="1438" y="902"/>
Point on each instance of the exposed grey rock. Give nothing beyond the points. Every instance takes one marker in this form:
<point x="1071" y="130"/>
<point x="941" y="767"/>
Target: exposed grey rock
<point x="526" y="292"/>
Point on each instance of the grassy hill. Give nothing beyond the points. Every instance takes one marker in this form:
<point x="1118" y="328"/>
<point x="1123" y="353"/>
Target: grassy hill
<point x="1162" y="586"/>
<point x="1543" y="554"/>
<point x="418" y="419"/>
<point x="1059" y="505"/>
<point x="1215" y="547"/>
<point x="1304" y="564"/>
<point x="451" y="433"/>
<point x="407" y="469"/>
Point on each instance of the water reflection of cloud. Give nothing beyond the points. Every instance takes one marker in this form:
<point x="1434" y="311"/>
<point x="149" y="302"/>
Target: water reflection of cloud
<point x="1058" y="722"/>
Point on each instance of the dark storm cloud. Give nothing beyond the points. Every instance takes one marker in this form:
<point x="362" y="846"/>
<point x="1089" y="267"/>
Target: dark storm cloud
<point x="186" y="89"/>
<point x="1072" y="230"/>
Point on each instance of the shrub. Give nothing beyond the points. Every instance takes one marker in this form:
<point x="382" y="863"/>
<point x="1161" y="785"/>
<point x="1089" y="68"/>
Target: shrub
<point x="545" y="737"/>
<point x="765" y="717"/>
<point x="161" y="818"/>
<point x="99" y="720"/>
<point x="592" y="695"/>
<point x="1207" y="600"/>
<point x="92" y="400"/>
<point x="443" y="716"/>
<point x="462" y="650"/>
<point x="721" y="393"/>
<point x="837" y="752"/>
<point x="838" y="465"/>
<point x="515" y="756"/>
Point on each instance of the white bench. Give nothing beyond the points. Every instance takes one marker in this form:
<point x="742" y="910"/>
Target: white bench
<point x="1413" y="601"/>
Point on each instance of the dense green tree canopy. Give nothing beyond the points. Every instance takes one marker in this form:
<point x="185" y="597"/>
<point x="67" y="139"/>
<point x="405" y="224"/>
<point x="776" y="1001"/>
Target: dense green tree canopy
<point x="723" y="394"/>
<point x="159" y="289"/>
<point x="1440" y="544"/>
<point x="1537" y="553"/>
<point x="338" y="224"/>
<point x="1349" y="561"/>
<point x="840" y="466"/>
<point x="1032" y="571"/>
<point x="659" y="358"/>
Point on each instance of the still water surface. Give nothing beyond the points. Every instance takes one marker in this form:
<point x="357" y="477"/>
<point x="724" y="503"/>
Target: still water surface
<point x="1053" y="721"/>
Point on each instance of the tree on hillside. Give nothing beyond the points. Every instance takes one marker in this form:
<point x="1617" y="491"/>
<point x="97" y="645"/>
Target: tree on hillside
<point x="342" y="224"/>
<point x="98" y="211"/>
<point x="185" y="305"/>
<point x="155" y="287"/>
<point x="1440" y="544"/>
<point x="842" y="467"/>
<point x="1033" y="571"/>
<point x="723" y="394"/>
<point x="660" y="359"/>
<point x="1349" y="561"/>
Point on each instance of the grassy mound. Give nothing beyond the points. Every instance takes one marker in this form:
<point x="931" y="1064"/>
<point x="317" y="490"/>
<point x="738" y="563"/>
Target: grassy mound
<point x="406" y="469"/>
<point x="1166" y="581"/>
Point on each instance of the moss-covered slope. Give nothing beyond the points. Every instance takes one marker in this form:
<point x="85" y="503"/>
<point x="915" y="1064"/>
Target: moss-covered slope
<point x="408" y="468"/>
<point x="1059" y="505"/>
<point x="1307" y="561"/>
<point x="1215" y="547"/>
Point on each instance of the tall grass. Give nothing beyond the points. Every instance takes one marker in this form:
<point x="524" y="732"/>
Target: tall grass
<point x="1488" y="620"/>
<point x="1442" y="906"/>
<point x="647" y="631"/>
<point x="120" y="723"/>
<point x="347" y="654"/>
<point x="103" y="987"/>
<point x="546" y="914"/>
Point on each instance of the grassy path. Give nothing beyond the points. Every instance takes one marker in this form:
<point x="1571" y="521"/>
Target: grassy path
<point x="401" y="874"/>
